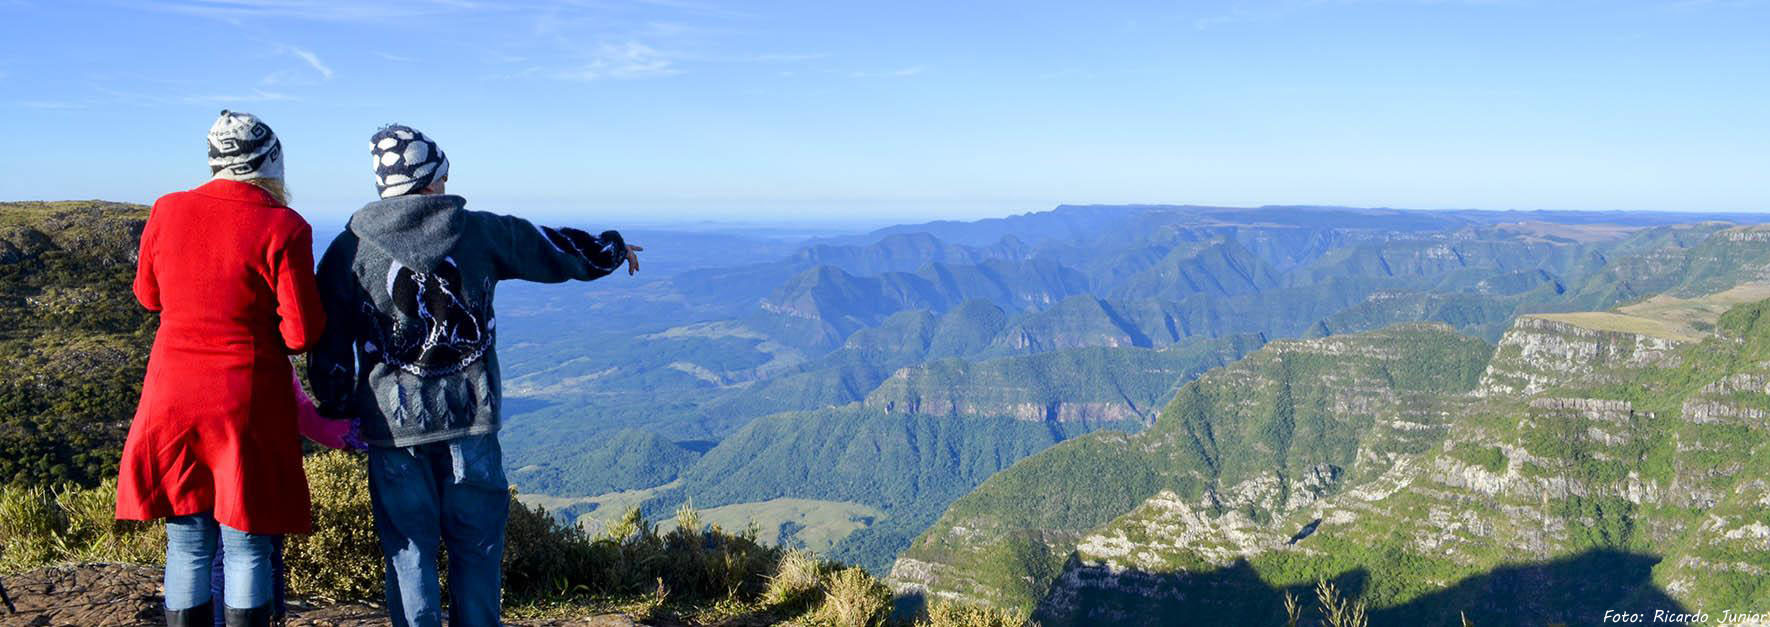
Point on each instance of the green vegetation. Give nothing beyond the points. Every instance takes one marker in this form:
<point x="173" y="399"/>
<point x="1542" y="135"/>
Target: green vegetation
<point x="909" y="466"/>
<point x="690" y="573"/>
<point x="1463" y="517"/>
<point x="624" y="460"/>
<point x="1004" y="323"/>
<point x="1265" y="416"/>
<point x="41" y="525"/>
<point x="73" y="342"/>
<point x="846" y="395"/>
<point x="800" y="523"/>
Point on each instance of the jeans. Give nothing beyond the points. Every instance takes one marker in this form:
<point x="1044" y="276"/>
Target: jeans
<point x="279" y="583"/>
<point x="190" y="550"/>
<point x="453" y="492"/>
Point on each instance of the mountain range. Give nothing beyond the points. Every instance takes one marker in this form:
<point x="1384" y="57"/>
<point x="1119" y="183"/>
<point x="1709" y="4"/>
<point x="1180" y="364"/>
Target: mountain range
<point x="1031" y="330"/>
<point x="1137" y="414"/>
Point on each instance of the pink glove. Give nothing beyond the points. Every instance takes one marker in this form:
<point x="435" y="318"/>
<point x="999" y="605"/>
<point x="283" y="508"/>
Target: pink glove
<point x="334" y="434"/>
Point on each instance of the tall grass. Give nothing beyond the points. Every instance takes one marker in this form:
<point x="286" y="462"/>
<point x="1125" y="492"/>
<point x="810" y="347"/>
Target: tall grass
<point x="1336" y="609"/>
<point x="852" y="598"/>
<point x="41" y="526"/>
<point x="545" y="562"/>
<point x="945" y="614"/>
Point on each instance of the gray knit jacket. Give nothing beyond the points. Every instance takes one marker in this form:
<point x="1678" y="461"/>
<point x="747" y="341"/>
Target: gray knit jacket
<point x="410" y="337"/>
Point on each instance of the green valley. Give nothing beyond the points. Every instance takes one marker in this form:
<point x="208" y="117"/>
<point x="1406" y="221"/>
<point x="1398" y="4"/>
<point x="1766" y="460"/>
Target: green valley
<point x="993" y="340"/>
<point x="1594" y="461"/>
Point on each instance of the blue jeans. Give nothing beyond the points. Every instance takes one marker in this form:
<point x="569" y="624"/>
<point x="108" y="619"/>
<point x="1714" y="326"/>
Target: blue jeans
<point x="190" y="552"/>
<point x="452" y="492"/>
<point x="279" y="583"/>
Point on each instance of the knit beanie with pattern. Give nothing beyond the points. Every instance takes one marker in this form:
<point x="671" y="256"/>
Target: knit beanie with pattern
<point x="242" y="147"/>
<point x="406" y="161"/>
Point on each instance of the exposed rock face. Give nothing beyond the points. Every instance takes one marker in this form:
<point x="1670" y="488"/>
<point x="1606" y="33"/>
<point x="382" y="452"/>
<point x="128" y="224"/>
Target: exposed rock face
<point x="1621" y="470"/>
<point x="1537" y="353"/>
<point x="1085" y="388"/>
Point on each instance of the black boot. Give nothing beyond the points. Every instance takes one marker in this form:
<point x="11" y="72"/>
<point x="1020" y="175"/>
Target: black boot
<point x="199" y="616"/>
<point x="255" y="617"/>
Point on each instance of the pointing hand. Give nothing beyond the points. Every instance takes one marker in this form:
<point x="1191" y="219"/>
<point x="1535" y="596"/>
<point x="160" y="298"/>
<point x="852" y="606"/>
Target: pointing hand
<point x="633" y="258"/>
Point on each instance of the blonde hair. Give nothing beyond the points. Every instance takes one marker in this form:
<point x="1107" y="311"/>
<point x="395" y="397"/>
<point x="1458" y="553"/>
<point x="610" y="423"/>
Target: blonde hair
<point x="277" y="189"/>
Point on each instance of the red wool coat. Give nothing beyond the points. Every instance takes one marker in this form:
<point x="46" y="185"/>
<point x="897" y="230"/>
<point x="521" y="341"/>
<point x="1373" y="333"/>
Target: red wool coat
<point x="230" y="272"/>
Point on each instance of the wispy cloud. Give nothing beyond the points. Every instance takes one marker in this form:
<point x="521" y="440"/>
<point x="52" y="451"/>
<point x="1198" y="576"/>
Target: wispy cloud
<point x="313" y="61"/>
<point x="701" y="8"/>
<point x="1717" y="4"/>
<point x="140" y="99"/>
<point x="1270" y="11"/>
<point x="393" y="57"/>
<point x="789" y="57"/>
<point x="627" y="60"/>
<point x="316" y="10"/>
<point x="257" y="95"/>
<point x="58" y="105"/>
<point x="903" y="72"/>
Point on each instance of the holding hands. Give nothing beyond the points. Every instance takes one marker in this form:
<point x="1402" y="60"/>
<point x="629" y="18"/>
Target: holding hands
<point x="327" y="432"/>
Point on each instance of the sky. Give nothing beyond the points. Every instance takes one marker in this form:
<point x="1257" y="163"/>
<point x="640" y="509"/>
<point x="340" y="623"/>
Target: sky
<point x="694" y="110"/>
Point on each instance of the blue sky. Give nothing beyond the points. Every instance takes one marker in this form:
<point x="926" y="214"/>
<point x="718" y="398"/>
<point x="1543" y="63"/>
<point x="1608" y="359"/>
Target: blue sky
<point x="668" y="110"/>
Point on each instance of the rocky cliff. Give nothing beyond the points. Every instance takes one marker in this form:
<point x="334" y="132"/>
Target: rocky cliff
<point x="1580" y="468"/>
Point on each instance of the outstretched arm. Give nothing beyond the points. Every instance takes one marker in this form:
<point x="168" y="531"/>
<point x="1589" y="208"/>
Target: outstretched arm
<point x="552" y="255"/>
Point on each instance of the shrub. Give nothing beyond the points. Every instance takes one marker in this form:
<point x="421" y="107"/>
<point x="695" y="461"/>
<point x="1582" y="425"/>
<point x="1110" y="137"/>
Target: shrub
<point x="542" y="557"/>
<point x="947" y="614"/>
<point x="341" y="559"/>
<point x="852" y="598"/>
<point x="795" y="580"/>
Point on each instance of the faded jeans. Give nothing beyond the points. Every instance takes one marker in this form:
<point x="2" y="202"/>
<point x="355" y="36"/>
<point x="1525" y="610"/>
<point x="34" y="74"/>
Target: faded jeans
<point x="190" y="552"/>
<point x="451" y="492"/>
<point x="279" y="582"/>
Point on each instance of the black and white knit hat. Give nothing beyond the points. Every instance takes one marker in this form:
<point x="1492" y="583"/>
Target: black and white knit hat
<point x="243" y="147"/>
<point x="405" y="160"/>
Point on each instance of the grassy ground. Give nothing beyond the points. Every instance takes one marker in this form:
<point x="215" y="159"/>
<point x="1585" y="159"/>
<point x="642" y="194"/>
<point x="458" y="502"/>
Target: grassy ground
<point x="1668" y="317"/>
<point x="821" y="523"/>
<point x="608" y="508"/>
<point x="1624" y="323"/>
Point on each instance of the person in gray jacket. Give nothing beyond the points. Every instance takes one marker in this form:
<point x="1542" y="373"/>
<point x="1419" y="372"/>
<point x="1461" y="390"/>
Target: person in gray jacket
<point x="410" y="351"/>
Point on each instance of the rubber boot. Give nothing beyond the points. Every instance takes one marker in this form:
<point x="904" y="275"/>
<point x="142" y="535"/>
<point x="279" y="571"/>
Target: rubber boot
<point x="199" y="616"/>
<point x="255" y="617"/>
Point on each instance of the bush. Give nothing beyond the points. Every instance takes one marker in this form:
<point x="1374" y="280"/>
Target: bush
<point x="946" y="614"/>
<point x="852" y="598"/>
<point x="543" y="557"/>
<point x="341" y="559"/>
<point x="796" y="580"/>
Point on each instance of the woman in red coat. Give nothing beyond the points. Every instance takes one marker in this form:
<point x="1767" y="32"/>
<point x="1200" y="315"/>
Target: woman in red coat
<point x="214" y="446"/>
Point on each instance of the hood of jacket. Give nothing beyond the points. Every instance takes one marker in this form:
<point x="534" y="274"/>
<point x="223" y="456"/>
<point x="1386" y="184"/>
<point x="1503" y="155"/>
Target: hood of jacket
<point x="416" y="230"/>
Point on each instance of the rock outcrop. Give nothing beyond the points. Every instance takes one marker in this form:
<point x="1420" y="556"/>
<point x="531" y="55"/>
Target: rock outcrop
<point x="1580" y="467"/>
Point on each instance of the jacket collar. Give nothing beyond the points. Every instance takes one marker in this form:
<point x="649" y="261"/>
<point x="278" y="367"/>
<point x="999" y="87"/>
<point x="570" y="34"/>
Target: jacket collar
<point x="234" y="190"/>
